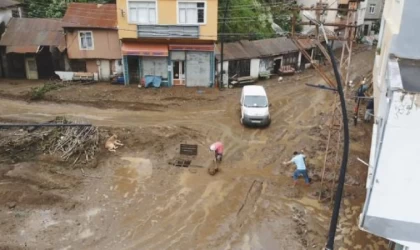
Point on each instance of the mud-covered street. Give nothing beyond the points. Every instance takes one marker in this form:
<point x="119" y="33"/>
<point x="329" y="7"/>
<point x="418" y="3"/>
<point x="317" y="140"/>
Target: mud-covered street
<point x="133" y="199"/>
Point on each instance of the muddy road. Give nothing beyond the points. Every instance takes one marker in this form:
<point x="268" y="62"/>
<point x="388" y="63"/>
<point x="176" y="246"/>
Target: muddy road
<point x="133" y="199"/>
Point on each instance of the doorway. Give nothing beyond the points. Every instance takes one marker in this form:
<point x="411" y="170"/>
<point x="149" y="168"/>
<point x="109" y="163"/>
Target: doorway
<point x="178" y="72"/>
<point x="31" y="68"/>
<point x="366" y="30"/>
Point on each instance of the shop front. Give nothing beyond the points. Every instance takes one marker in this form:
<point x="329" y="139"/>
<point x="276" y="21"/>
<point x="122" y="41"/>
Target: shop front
<point x="140" y="60"/>
<point x="192" y="65"/>
<point x="175" y="65"/>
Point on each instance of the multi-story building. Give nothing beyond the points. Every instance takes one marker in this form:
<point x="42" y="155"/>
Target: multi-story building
<point x="373" y="15"/>
<point x="172" y="40"/>
<point x="392" y="206"/>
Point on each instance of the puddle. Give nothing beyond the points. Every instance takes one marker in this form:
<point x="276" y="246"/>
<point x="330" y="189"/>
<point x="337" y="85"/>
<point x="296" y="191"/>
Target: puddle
<point x="127" y="178"/>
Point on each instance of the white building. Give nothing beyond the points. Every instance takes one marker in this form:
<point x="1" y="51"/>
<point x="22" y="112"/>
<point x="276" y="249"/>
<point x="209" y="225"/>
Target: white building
<point x="392" y="207"/>
<point x="9" y="9"/>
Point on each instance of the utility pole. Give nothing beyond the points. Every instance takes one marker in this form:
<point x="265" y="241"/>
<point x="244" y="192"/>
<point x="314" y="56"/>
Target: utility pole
<point x="221" y="86"/>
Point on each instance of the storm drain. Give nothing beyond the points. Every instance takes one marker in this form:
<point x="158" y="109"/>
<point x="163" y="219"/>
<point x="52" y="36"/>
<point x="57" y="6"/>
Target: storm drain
<point x="181" y="163"/>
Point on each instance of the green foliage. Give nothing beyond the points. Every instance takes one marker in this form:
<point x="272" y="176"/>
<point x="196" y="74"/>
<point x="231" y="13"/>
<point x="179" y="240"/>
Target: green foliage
<point x="38" y="93"/>
<point x="54" y="8"/>
<point x="252" y="19"/>
<point x="245" y="19"/>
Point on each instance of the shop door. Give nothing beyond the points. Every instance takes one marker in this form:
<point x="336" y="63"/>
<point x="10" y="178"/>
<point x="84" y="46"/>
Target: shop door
<point x="31" y="68"/>
<point x="179" y="72"/>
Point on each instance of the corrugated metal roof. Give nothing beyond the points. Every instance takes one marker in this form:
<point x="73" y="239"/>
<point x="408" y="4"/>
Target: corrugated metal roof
<point x="260" y="48"/>
<point x="8" y="3"/>
<point x="234" y="51"/>
<point x="34" y="32"/>
<point x="91" y="15"/>
<point x="22" y="49"/>
<point x="275" y="46"/>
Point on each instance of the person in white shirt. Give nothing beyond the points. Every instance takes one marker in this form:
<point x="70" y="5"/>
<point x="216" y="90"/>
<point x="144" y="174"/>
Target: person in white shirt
<point x="299" y="160"/>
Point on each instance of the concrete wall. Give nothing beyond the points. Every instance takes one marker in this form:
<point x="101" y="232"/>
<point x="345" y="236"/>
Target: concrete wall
<point x="106" y="45"/>
<point x="406" y="44"/>
<point x="167" y="14"/>
<point x="378" y="9"/>
<point x="390" y="28"/>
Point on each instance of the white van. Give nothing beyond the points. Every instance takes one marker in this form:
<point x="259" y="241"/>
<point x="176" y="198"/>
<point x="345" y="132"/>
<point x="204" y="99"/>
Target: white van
<point x="254" y="106"/>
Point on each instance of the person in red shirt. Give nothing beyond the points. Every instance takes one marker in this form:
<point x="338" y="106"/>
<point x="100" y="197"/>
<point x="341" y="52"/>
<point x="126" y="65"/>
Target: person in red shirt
<point x="217" y="147"/>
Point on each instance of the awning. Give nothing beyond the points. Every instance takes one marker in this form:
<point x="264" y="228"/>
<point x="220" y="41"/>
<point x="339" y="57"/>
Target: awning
<point x="139" y="49"/>
<point x="191" y="47"/>
<point x="22" y="49"/>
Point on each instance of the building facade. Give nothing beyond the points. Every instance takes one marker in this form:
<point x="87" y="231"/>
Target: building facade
<point x="172" y="40"/>
<point x="372" y="16"/>
<point x="390" y="209"/>
<point x="92" y="39"/>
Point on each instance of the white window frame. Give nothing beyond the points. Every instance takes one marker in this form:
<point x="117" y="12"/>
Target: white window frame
<point x="139" y="1"/>
<point x="372" y="7"/>
<point x="187" y="1"/>
<point x="80" y="40"/>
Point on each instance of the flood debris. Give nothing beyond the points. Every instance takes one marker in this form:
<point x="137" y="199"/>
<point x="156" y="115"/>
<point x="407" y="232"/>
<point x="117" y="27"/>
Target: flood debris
<point x="67" y="142"/>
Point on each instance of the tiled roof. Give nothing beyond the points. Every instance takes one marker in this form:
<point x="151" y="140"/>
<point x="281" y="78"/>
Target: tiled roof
<point x="34" y="32"/>
<point x="91" y="15"/>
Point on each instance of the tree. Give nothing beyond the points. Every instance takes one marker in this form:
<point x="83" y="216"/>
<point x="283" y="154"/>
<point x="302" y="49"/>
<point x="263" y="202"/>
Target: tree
<point x="54" y="8"/>
<point x="245" y="20"/>
<point x="254" y="19"/>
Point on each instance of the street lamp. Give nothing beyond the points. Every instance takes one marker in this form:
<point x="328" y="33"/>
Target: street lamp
<point x="342" y="176"/>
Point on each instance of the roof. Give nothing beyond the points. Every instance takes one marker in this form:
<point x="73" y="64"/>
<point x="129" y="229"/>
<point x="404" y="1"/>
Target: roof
<point x="236" y="51"/>
<point x="8" y="3"/>
<point x="391" y="209"/>
<point x="410" y="72"/>
<point x="34" y="32"/>
<point x="275" y="46"/>
<point x="91" y="15"/>
<point x="254" y="90"/>
<point x="245" y="49"/>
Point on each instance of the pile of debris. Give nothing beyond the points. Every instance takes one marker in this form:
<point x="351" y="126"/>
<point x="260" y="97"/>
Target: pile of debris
<point x="68" y="142"/>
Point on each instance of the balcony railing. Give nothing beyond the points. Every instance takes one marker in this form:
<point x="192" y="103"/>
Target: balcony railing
<point x="168" y="31"/>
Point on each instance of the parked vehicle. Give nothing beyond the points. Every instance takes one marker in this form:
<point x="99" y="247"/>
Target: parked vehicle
<point x="235" y="81"/>
<point x="254" y="106"/>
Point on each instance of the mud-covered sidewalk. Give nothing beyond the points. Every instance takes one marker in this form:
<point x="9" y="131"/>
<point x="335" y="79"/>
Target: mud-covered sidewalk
<point x="133" y="199"/>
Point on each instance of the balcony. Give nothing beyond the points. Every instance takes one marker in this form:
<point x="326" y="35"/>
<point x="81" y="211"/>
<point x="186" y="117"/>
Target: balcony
<point x="168" y="31"/>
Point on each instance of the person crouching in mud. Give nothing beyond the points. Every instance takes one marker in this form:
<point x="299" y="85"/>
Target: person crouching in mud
<point x="217" y="147"/>
<point x="299" y="160"/>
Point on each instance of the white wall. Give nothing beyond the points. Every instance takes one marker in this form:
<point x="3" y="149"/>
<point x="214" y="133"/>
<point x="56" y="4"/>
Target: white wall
<point x="390" y="28"/>
<point x="5" y="15"/>
<point x="255" y="67"/>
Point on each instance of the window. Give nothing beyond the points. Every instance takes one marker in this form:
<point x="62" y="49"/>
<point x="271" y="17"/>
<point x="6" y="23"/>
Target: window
<point x="142" y="12"/>
<point x="86" y="40"/>
<point x="191" y="13"/>
<point x="372" y="8"/>
<point x="15" y="13"/>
